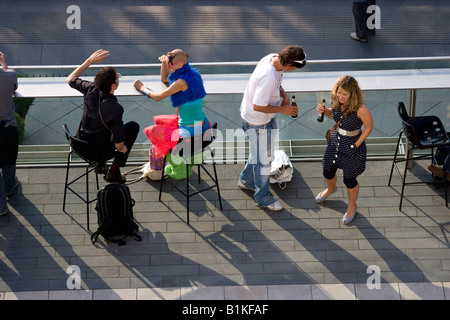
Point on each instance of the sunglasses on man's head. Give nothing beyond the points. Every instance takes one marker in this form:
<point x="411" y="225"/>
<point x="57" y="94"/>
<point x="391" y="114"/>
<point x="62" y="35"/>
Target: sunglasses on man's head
<point x="298" y="63"/>
<point x="170" y="55"/>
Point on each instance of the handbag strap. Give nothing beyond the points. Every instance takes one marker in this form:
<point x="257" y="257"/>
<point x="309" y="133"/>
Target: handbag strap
<point x="337" y="124"/>
<point x="100" y="112"/>
<point x="101" y="117"/>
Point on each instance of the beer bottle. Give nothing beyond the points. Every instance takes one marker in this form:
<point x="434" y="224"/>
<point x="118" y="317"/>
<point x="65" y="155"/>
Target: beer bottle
<point x="294" y="103"/>
<point x="320" y="116"/>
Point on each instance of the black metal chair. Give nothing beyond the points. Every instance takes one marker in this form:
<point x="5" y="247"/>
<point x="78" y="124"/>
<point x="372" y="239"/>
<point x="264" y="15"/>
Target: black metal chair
<point x="86" y="152"/>
<point x="424" y="132"/>
<point x="188" y="148"/>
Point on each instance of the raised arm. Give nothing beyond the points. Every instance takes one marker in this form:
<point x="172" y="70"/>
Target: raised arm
<point x="3" y="61"/>
<point x="164" y="69"/>
<point x="97" y="57"/>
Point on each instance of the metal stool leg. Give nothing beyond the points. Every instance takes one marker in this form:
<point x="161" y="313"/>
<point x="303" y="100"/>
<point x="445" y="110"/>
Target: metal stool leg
<point x="87" y="197"/>
<point x="403" y="183"/>
<point x="162" y="179"/>
<point x="445" y="186"/>
<point x="187" y="192"/>
<point x="395" y="157"/>
<point x="67" y="180"/>
<point x="217" y="185"/>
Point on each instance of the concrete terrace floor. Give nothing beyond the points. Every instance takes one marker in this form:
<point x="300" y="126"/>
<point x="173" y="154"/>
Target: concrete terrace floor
<point x="139" y="31"/>
<point x="241" y="252"/>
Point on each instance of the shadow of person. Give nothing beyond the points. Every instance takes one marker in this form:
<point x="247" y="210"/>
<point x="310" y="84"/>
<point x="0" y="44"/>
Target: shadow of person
<point x="298" y="193"/>
<point x="395" y="265"/>
<point x="159" y="266"/>
<point x="345" y="255"/>
<point x="36" y="252"/>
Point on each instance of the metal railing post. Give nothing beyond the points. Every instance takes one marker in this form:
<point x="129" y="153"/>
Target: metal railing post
<point x="412" y="113"/>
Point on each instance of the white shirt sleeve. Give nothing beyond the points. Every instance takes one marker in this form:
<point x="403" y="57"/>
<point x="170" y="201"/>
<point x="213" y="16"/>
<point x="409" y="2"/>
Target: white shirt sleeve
<point x="266" y="92"/>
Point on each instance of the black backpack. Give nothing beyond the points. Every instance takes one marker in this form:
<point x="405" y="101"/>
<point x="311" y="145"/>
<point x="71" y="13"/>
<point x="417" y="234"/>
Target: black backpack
<point x="115" y="214"/>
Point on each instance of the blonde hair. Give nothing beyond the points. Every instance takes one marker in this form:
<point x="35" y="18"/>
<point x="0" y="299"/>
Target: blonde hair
<point x="350" y="85"/>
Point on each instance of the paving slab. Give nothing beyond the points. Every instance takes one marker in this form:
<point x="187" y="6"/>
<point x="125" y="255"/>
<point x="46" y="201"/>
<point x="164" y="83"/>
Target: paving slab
<point x="241" y="252"/>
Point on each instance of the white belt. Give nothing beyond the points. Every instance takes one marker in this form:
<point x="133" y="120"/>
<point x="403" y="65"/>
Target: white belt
<point x="348" y="133"/>
<point x="256" y="125"/>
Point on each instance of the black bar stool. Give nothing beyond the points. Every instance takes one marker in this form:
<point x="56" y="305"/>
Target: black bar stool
<point x="187" y="148"/>
<point x="84" y="150"/>
<point x="425" y="132"/>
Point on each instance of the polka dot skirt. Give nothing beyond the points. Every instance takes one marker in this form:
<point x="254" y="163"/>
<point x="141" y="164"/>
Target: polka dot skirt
<point x="341" y="150"/>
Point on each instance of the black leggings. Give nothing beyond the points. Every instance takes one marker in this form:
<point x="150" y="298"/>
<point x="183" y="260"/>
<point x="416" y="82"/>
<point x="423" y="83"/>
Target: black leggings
<point x="350" y="183"/>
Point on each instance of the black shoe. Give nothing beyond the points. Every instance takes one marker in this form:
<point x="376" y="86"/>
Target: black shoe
<point x="5" y="213"/>
<point x="99" y="169"/>
<point x="120" y="178"/>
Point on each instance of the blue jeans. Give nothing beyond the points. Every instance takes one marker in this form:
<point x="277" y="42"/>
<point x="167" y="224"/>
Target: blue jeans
<point x="7" y="183"/>
<point x="256" y="173"/>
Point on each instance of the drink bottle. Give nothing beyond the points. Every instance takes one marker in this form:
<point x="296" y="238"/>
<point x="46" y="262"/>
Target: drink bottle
<point x="320" y="116"/>
<point x="294" y="103"/>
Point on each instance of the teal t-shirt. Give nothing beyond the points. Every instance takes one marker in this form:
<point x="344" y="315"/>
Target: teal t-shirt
<point x="190" y="113"/>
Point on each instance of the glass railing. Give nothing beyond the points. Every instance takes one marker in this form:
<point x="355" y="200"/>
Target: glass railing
<point x="303" y="137"/>
<point x="248" y="66"/>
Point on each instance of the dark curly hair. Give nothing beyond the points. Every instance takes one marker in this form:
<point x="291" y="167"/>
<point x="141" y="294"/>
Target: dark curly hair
<point x="105" y="78"/>
<point x="293" y="55"/>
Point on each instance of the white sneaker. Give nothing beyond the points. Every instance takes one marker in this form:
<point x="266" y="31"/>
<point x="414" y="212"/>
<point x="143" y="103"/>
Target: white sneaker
<point x="355" y="37"/>
<point x="276" y="206"/>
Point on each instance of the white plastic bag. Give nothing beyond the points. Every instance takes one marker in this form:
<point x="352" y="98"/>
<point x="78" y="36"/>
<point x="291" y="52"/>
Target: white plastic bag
<point x="281" y="170"/>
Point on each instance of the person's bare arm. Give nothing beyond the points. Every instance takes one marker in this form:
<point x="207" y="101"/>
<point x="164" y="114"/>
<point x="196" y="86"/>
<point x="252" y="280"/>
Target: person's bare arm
<point x="164" y="70"/>
<point x="3" y="61"/>
<point x="179" y="85"/>
<point x="121" y="147"/>
<point x="97" y="57"/>
<point x="284" y="109"/>
<point x="366" y="117"/>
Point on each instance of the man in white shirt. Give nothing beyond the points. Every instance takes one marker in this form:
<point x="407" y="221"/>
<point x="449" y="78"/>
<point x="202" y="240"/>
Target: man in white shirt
<point x="263" y="98"/>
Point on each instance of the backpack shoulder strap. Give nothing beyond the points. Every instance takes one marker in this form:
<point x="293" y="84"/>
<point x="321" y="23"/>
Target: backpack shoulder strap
<point x="94" y="237"/>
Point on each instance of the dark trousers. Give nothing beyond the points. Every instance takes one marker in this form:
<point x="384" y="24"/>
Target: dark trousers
<point x="108" y="150"/>
<point x="360" y="14"/>
<point x="9" y="145"/>
<point x="442" y="157"/>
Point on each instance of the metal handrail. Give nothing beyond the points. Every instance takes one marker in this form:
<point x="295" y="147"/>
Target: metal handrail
<point x="239" y="63"/>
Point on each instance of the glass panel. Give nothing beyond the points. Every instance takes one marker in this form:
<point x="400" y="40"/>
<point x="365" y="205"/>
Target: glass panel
<point x="45" y="117"/>
<point x="303" y="136"/>
<point x="434" y="102"/>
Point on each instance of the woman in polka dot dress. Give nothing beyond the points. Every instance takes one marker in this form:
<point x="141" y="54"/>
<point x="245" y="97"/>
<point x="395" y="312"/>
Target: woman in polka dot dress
<point x="346" y="148"/>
